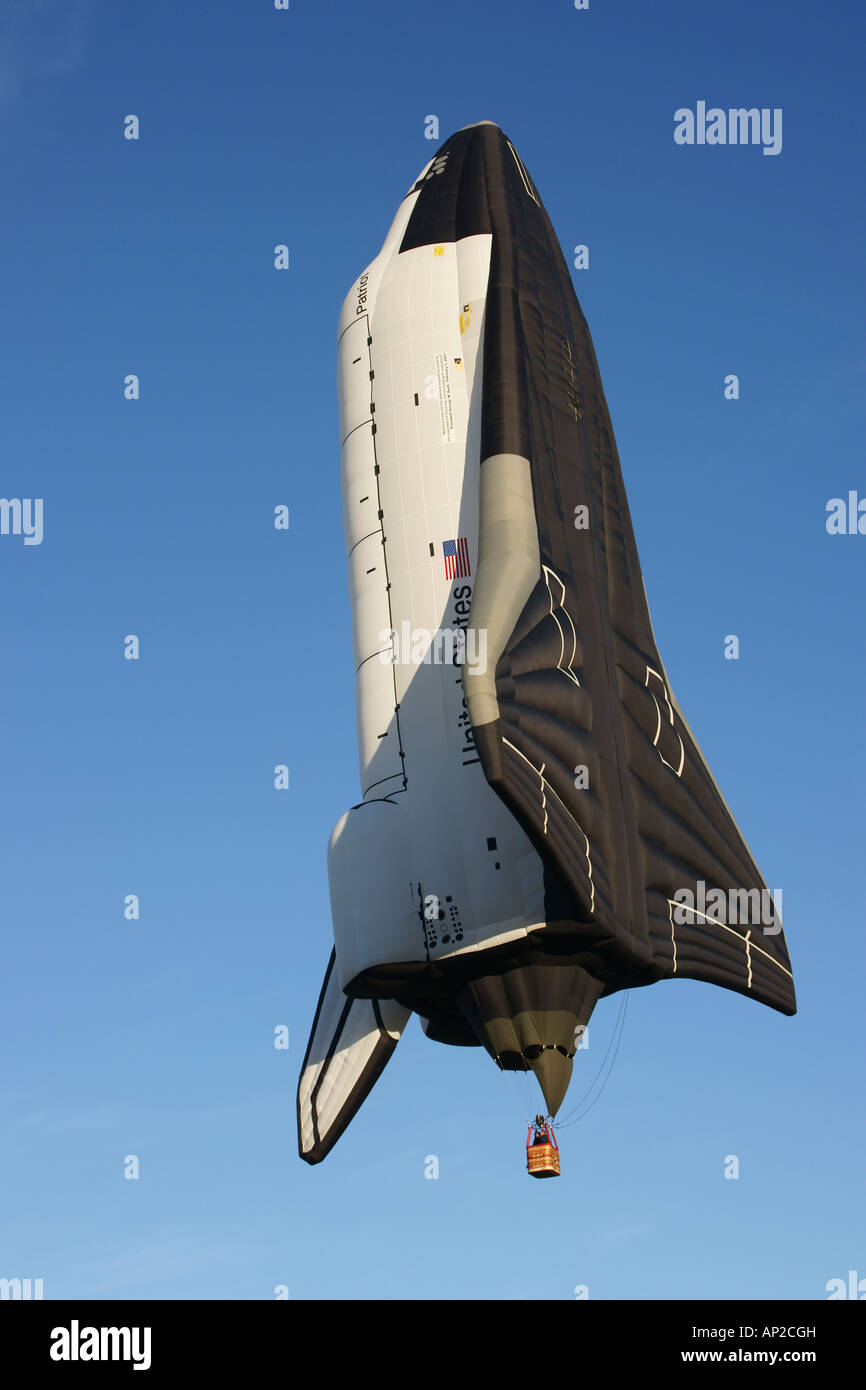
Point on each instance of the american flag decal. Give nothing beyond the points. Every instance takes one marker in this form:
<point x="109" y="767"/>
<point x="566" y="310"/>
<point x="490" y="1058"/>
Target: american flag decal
<point x="456" y="555"/>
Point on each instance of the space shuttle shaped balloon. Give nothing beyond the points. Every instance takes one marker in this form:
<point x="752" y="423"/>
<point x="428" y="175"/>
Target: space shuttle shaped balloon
<point x="538" y="826"/>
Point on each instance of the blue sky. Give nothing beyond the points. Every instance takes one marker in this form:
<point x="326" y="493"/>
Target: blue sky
<point x="155" y="1037"/>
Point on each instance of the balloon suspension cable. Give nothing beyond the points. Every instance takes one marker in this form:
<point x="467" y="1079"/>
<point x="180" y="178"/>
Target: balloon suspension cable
<point x="616" y="1037"/>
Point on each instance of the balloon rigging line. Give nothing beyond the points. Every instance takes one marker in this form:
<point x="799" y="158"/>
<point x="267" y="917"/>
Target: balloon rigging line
<point x="573" y="1117"/>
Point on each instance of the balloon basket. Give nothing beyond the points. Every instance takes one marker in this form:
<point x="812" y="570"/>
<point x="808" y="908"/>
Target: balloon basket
<point x="542" y="1161"/>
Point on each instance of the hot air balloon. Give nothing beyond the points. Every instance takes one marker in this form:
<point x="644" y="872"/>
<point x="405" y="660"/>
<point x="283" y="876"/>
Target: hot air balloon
<point x="538" y="827"/>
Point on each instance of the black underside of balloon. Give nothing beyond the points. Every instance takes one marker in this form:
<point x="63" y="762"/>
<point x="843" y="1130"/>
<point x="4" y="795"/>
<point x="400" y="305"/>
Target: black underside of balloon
<point x="651" y="820"/>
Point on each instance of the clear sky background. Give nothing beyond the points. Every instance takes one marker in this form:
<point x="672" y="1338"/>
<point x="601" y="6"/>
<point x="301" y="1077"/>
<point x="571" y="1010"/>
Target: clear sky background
<point x="155" y="777"/>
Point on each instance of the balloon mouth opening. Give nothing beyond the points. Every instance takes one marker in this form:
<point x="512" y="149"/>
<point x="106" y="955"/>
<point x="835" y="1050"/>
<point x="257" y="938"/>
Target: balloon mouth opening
<point x="528" y="1059"/>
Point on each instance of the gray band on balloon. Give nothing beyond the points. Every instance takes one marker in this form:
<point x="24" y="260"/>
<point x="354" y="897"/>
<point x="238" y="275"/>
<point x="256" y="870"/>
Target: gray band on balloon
<point x="509" y="566"/>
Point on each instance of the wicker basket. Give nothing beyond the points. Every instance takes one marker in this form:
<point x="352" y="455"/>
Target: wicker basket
<point x="542" y="1161"/>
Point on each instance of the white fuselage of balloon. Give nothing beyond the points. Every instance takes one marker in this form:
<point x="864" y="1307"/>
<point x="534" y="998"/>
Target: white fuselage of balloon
<point x="432" y="863"/>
